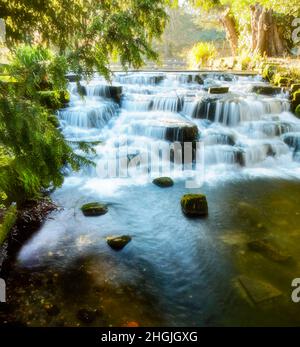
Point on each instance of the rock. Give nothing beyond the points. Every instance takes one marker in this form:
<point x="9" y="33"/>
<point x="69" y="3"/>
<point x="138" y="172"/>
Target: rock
<point x="283" y="82"/>
<point x="269" y="71"/>
<point x="212" y="137"/>
<point x="115" y="93"/>
<point x="172" y="130"/>
<point x="266" y="90"/>
<point x="194" y="205"/>
<point x="295" y="87"/>
<point x="163" y="182"/>
<point x="186" y="133"/>
<point x="292" y="140"/>
<point x="118" y="242"/>
<point x="218" y="90"/>
<point x="86" y="315"/>
<point x="266" y="249"/>
<point x="93" y="209"/>
<point x="205" y="108"/>
<point x="295" y="100"/>
<point x="80" y="89"/>
<point x="72" y="77"/>
<point x="215" y="109"/>
<point x="199" y="79"/>
<point x="258" y="291"/>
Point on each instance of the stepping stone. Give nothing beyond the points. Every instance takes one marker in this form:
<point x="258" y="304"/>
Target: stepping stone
<point x="94" y="209"/>
<point x="118" y="242"/>
<point x="163" y="182"/>
<point x="269" y="251"/>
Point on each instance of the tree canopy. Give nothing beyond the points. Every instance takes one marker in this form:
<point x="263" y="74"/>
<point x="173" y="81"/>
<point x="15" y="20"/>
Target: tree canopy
<point x="89" y="32"/>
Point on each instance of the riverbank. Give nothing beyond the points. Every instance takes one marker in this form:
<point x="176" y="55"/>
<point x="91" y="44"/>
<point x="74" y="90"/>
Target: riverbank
<point x="28" y="220"/>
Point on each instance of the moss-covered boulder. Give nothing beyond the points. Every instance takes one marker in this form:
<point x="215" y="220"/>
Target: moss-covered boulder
<point x="218" y="90"/>
<point x="269" y="71"/>
<point x="54" y="99"/>
<point x="194" y="205"/>
<point x="163" y="182"/>
<point x="295" y="87"/>
<point x="269" y="251"/>
<point x="266" y="90"/>
<point x="118" y="242"/>
<point x="295" y="100"/>
<point x="282" y="80"/>
<point x="94" y="209"/>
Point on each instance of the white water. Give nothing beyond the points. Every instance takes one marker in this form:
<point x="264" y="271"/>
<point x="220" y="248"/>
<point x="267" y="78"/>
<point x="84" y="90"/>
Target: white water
<point x="243" y="133"/>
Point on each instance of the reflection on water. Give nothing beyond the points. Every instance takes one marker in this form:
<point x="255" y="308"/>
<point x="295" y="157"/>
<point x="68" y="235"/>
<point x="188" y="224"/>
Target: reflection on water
<point x="176" y="271"/>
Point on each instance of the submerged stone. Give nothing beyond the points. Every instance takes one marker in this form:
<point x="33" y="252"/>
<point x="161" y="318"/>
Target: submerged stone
<point x="93" y="209"/>
<point x="163" y="182"/>
<point x="269" y="251"/>
<point x="258" y="291"/>
<point x="194" y="205"/>
<point x="118" y="242"/>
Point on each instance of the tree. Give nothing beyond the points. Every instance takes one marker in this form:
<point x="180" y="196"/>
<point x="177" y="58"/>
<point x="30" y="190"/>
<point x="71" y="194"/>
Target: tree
<point x="267" y="21"/>
<point x="92" y="32"/>
<point x="85" y="35"/>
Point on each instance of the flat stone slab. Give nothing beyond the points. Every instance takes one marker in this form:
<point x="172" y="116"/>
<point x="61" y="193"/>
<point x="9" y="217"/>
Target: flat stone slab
<point x="258" y="291"/>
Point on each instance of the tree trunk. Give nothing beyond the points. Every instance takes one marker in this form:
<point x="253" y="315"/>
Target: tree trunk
<point x="229" y="24"/>
<point x="255" y="13"/>
<point x="265" y="36"/>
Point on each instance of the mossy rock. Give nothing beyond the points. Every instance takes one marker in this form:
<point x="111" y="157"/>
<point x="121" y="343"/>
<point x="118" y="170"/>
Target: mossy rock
<point x="282" y="81"/>
<point x="297" y="111"/>
<point x="118" y="242"/>
<point x="269" y="71"/>
<point x="295" y="100"/>
<point x="194" y="205"/>
<point x="269" y="251"/>
<point x="266" y="90"/>
<point x="54" y="99"/>
<point x="295" y="87"/>
<point x="94" y="209"/>
<point x="198" y="79"/>
<point x="163" y="182"/>
<point x="218" y="90"/>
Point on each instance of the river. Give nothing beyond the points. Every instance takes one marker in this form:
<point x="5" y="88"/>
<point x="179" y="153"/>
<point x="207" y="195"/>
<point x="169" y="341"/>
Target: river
<point x="176" y="271"/>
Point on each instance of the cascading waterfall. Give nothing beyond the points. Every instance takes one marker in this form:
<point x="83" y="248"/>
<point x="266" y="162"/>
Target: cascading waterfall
<point x="238" y="128"/>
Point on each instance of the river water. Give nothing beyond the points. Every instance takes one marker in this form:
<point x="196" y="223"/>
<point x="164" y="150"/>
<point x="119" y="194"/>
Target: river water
<point x="176" y="271"/>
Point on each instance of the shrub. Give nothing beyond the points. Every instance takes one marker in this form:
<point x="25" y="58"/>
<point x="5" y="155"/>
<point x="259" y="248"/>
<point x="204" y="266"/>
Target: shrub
<point x="54" y="99"/>
<point x="200" y="54"/>
<point x="33" y="151"/>
<point x="37" y="68"/>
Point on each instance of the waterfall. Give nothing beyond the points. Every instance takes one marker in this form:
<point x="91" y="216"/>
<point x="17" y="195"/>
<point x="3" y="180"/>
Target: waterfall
<point x="86" y="116"/>
<point x="239" y="129"/>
